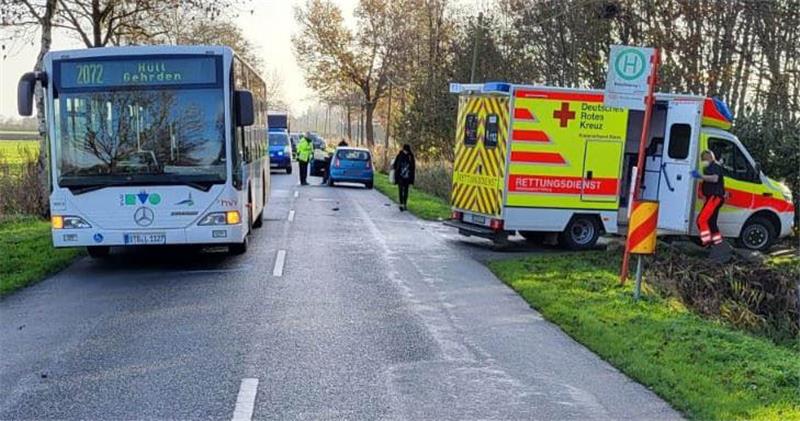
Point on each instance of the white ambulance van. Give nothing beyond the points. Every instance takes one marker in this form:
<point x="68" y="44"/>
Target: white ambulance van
<point x="542" y="160"/>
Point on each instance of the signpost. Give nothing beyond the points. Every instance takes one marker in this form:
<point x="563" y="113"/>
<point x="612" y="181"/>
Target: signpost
<point x="630" y="83"/>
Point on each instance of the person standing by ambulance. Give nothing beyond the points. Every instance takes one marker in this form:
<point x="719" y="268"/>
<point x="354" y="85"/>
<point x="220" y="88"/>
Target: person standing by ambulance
<point x="713" y="189"/>
<point x="305" y="150"/>
<point x="404" y="172"/>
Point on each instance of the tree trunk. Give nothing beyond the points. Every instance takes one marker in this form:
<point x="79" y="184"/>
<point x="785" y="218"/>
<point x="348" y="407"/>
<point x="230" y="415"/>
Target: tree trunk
<point x="388" y="128"/>
<point x="44" y="152"/>
<point x="349" y="124"/>
<point x="369" y="110"/>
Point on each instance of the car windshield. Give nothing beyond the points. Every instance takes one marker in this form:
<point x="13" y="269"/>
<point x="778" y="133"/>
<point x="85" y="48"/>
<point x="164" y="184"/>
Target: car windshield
<point x="352" y="155"/>
<point x="130" y="134"/>
<point x="278" y="139"/>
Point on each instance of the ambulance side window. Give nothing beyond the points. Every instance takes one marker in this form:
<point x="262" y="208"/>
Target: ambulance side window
<point x="471" y="130"/>
<point x="734" y="164"/>
<point x="680" y="137"/>
<point x="490" y="138"/>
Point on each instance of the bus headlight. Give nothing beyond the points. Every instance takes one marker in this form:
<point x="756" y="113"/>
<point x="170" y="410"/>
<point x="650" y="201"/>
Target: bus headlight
<point x="221" y="218"/>
<point x="68" y="222"/>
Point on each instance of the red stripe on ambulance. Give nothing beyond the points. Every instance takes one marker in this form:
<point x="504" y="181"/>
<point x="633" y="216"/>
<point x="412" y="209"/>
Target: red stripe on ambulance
<point x="523" y="114"/>
<point x="537" y="158"/>
<point x="558" y="95"/>
<point x="562" y="185"/>
<point x="529" y="136"/>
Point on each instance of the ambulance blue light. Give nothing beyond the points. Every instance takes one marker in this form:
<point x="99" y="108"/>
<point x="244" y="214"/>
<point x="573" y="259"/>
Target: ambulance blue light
<point x="723" y="108"/>
<point x="496" y="87"/>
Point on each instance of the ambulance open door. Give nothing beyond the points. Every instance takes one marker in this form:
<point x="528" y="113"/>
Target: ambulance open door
<point x="676" y="186"/>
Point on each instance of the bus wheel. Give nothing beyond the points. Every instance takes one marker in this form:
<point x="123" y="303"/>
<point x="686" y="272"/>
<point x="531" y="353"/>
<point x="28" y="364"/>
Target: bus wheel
<point x="238" y="248"/>
<point x="98" y="252"/>
<point x="581" y="233"/>
<point x="757" y="234"/>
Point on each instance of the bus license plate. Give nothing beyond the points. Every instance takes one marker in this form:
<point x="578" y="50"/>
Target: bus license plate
<point x="146" y="238"/>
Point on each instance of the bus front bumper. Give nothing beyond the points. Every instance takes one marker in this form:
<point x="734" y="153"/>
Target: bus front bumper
<point x="216" y="234"/>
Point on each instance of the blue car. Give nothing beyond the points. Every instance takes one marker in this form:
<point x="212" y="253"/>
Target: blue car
<point x="351" y="165"/>
<point x="280" y="151"/>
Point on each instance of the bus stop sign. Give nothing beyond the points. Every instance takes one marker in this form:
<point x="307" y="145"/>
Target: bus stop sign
<point x="629" y="69"/>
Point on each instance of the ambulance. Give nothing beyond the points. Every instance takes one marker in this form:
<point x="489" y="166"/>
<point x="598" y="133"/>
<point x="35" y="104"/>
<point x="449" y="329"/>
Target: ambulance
<point x="555" y="162"/>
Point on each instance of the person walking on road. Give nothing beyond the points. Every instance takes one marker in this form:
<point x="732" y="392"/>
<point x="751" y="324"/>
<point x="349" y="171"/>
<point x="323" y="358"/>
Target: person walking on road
<point x="404" y="172"/>
<point x="305" y="150"/>
<point x="713" y="189"/>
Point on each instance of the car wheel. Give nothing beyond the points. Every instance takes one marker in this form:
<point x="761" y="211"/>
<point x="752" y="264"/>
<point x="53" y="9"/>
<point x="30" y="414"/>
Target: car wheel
<point x="757" y="234"/>
<point x="289" y="169"/>
<point x="581" y="233"/>
<point x="98" y="252"/>
<point x="368" y="185"/>
<point x="330" y="182"/>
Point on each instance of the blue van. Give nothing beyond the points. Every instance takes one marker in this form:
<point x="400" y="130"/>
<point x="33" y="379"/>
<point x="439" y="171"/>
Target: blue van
<point x="280" y="151"/>
<point x="351" y="165"/>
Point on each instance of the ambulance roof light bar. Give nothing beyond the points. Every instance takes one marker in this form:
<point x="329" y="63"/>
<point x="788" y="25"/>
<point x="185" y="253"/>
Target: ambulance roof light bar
<point x="457" y="88"/>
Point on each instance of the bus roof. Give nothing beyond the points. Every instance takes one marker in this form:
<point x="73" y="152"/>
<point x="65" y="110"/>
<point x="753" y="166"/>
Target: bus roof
<point x="139" y="50"/>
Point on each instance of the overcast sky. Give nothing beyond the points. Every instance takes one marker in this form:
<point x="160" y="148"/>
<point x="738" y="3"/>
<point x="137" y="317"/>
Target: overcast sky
<point x="269" y="28"/>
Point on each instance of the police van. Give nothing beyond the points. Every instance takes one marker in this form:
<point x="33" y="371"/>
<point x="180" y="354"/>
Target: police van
<point x="541" y="160"/>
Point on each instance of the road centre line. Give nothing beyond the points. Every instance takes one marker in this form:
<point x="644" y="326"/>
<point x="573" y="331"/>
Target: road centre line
<point x="296" y="193"/>
<point x="291" y="215"/>
<point x="245" y="401"/>
<point x="279" y="262"/>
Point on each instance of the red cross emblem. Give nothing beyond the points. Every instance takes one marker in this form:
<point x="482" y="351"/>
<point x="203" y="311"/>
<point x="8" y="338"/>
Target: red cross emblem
<point x="564" y="115"/>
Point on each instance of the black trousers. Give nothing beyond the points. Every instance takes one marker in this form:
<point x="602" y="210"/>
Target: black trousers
<point x="403" y="190"/>
<point x="303" y="171"/>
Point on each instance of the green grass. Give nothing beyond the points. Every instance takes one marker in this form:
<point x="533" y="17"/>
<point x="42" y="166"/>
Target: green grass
<point x="28" y="255"/>
<point x="18" y="151"/>
<point x="702" y="368"/>
<point x="421" y="204"/>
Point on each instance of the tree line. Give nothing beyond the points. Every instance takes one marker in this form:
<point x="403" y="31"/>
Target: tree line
<point x="744" y="52"/>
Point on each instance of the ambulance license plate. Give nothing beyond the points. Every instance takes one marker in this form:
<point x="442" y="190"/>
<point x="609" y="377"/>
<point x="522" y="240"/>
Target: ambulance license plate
<point x="479" y="219"/>
<point x="145" y="238"/>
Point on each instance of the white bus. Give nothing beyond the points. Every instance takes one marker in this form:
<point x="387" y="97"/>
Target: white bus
<point x="153" y="145"/>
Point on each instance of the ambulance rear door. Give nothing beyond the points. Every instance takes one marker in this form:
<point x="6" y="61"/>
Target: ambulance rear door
<point x="676" y="186"/>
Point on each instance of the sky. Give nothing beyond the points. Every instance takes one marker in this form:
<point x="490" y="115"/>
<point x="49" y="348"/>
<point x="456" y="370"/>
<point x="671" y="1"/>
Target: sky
<point x="269" y="28"/>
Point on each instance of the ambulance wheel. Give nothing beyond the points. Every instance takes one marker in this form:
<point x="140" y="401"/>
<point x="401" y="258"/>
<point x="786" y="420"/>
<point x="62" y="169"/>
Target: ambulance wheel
<point x="757" y="234"/>
<point x="98" y="252"/>
<point x="581" y="233"/>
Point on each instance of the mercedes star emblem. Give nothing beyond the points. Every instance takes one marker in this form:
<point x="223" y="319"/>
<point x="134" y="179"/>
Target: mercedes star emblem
<point x="143" y="217"/>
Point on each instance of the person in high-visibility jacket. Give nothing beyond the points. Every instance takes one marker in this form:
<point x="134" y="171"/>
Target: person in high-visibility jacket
<point x="305" y="151"/>
<point x="713" y="189"/>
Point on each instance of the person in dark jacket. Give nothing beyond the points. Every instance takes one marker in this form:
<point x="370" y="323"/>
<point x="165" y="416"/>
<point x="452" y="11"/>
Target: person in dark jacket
<point x="713" y="188"/>
<point x="404" y="171"/>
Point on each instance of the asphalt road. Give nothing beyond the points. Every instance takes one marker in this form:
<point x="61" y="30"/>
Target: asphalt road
<point x="376" y="315"/>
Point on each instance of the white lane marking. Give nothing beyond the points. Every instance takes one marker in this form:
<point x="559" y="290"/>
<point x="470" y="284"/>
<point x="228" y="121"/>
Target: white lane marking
<point x="279" y="261"/>
<point x="291" y="215"/>
<point x="296" y="193"/>
<point x="245" y="401"/>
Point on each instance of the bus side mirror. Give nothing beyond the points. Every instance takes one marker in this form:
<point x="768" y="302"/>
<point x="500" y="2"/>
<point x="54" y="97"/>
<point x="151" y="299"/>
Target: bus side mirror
<point x="25" y="88"/>
<point x="245" y="115"/>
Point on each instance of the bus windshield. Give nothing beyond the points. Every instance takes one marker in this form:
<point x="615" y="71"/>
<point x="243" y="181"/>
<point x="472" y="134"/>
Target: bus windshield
<point x="169" y="133"/>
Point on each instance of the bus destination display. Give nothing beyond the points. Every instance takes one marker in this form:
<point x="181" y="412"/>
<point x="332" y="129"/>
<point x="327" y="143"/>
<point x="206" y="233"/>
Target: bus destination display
<point x="137" y="72"/>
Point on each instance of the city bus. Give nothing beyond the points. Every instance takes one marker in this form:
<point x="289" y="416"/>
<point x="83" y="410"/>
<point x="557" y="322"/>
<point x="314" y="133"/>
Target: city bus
<point x="153" y="145"/>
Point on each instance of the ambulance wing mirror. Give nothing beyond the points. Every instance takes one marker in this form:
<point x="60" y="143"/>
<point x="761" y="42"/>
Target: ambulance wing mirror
<point x="25" y="89"/>
<point x="245" y="115"/>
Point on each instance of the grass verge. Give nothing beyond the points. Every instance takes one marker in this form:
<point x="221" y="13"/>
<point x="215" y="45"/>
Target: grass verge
<point x="28" y="254"/>
<point x="18" y="151"/>
<point x="421" y="204"/>
<point x="702" y="368"/>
